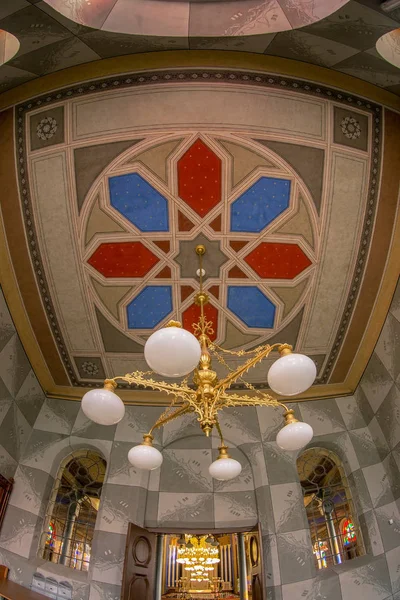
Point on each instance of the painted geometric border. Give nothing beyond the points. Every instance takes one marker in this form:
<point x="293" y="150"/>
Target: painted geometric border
<point x="198" y="75"/>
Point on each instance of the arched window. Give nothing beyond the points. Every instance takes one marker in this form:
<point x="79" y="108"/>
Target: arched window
<point x="334" y="532"/>
<point x="72" y="510"/>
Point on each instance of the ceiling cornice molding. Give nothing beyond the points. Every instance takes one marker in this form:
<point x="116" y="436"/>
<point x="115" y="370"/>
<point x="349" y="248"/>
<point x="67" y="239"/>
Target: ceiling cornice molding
<point x="8" y="280"/>
<point x="198" y="58"/>
<point x="390" y="188"/>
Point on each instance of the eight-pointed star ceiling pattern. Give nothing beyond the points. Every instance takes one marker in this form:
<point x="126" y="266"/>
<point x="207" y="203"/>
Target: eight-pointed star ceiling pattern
<point x="240" y="286"/>
<point x="119" y="183"/>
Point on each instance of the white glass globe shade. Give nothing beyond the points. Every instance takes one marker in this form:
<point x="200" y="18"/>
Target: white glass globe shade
<point x="294" y="436"/>
<point x="224" y="469"/>
<point x="172" y="352"/>
<point x="145" y="457"/>
<point x="292" y="374"/>
<point x="103" y="407"/>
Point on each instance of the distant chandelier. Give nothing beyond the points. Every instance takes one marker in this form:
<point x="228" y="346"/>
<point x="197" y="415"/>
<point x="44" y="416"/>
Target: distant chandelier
<point x="175" y="352"/>
<point x="197" y="552"/>
<point x="198" y="555"/>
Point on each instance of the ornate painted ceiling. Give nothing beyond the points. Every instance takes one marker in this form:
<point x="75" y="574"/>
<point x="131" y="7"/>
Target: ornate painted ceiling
<point x="338" y="34"/>
<point x="291" y="186"/>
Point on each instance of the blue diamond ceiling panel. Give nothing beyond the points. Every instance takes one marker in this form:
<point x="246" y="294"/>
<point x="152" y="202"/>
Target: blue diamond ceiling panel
<point x="150" y="307"/>
<point x="139" y="202"/>
<point x="251" y="306"/>
<point x="260" y="204"/>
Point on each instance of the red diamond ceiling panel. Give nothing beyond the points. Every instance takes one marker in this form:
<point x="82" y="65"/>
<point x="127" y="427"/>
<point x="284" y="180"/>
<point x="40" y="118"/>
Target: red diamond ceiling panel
<point x="124" y="259"/>
<point x="278" y="261"/>
<point x="199" y="178"/>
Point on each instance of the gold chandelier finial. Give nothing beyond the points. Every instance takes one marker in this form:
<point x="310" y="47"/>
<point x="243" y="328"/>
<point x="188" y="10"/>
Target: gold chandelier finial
<point x="174" y="324"/>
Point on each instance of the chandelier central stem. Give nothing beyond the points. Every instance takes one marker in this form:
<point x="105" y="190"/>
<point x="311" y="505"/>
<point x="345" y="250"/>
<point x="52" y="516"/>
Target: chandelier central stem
<point x="201" y="299"/>
<point x="200" y="251"/>
<point x="204" y="328"/>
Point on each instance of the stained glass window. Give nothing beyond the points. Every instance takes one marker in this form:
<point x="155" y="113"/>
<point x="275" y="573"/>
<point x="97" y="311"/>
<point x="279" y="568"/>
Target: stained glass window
<point x="72" y="510"/>
<point x="51" y="534"/>
<point x="329" y="507"/>
<point x="349" y="533"/>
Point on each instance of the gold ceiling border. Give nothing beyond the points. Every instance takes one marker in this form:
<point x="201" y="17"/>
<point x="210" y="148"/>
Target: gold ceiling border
<point x="22" y="324"/>
<point x="203" y="59"/>
<point x="8" y="279"/>
<point x="390" y="187"/>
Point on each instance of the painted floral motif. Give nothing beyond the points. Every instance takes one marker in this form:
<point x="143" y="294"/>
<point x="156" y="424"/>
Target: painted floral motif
<point x="46" y="128"/>
<point x="90" y="368"/>
<point x="351" y="128"/>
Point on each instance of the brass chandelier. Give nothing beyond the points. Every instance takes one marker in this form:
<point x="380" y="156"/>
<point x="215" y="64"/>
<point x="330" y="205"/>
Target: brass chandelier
<point x="174" y="352"/>
<point x="198" y="555"/>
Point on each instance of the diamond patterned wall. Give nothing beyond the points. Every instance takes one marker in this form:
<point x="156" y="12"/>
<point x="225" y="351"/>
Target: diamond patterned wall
<point x="364" y="430"/>
<point x="21" y="397"/>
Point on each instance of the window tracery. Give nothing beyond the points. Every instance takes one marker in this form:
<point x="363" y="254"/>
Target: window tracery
<point x="72" y="510"/>
<point x="330" y="512"/>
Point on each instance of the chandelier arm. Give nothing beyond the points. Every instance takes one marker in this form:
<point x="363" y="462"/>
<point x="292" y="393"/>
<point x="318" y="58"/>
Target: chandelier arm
<point x="238" y="400"/>
<point x="217" y="404"/>
<point x="225" y="383"/>
<point x="223" y="362"/>
<point x="164" y="419"/>
<point x="137" y="377"/>
<point x="200" y="408"/>
<point x="218" y="426"/>
<point x="215" y="348"/>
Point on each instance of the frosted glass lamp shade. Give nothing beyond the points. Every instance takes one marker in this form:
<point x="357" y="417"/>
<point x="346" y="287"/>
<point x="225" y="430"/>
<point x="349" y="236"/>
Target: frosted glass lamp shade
<point x="294" y="436"/>
<point x="145" y="457"/>
<point x="172" y="352"/>
<point x="225" y="467"/>
<point x="103" y="407"/>
<point x="292" y="374"/>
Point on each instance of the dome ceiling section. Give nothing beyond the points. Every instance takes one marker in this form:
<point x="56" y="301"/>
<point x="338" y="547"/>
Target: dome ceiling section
<point x="343" y="41"/>
<point x="197" y="18"/>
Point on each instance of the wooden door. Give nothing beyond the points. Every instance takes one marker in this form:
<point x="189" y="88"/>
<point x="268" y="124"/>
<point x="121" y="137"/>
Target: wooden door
<point x="256" y="565"/>
<point x="139" y="569"/>
<point x="5" y="491"/>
